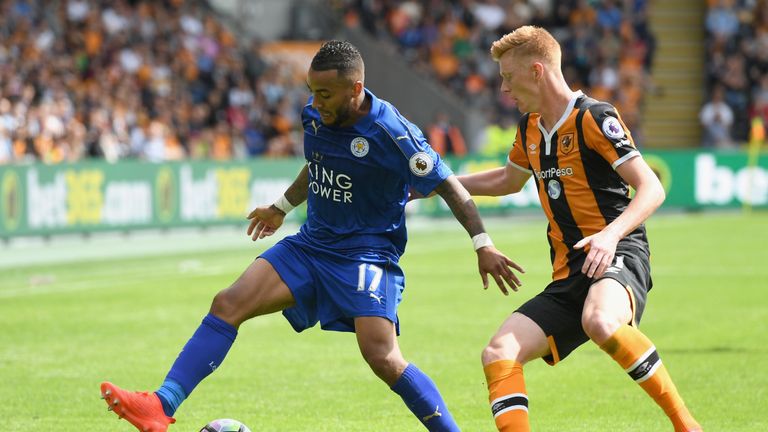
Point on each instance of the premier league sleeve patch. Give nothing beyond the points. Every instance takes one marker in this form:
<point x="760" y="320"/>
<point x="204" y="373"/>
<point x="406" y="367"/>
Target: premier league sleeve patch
<point x="612" y="128"/>
<point x="421" y="164"/>
<point x="617" y="147"/>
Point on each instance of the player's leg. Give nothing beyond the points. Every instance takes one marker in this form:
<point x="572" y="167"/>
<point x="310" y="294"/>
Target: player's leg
<point x="378" y="345"/>
<point x="518" y="341"/>
<point x="607" y="318"/>
<point x="258" y="291"/>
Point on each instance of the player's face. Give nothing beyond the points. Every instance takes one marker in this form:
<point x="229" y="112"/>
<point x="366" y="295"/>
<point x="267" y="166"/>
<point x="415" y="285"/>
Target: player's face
<point x="518" y="82"/>
<point x="333" y="96"/>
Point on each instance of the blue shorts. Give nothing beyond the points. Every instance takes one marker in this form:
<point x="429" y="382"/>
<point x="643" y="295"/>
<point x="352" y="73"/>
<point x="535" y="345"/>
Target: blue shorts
<point x="334" y="289"/>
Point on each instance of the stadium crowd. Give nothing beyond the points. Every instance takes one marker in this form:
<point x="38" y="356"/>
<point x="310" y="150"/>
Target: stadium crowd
<point x="165" y="80"/>
<point x="152" y="80"/>
<point x="737" y="70"/>
<point x="608" y="46"/>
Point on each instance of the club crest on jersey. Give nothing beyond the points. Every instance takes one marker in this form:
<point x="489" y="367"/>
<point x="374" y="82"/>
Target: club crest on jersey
<point x="554" y="189"/>
<point x="359" y="147"/>
<point x="566" y="143"/>
<point x="421" y="164"/>
<point x="612" y="128"/>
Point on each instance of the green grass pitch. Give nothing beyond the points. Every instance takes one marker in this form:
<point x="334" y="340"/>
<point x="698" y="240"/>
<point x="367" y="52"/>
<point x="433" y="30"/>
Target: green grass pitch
<point x="67" y="323"/>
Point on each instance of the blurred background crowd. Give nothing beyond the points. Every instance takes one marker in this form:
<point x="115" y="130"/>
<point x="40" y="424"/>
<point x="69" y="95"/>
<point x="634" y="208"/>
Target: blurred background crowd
<point x="154" y="80"/>
<point x="737" y="70"/>
<point x="608" y="47"/>
<point x="167" y="80"/>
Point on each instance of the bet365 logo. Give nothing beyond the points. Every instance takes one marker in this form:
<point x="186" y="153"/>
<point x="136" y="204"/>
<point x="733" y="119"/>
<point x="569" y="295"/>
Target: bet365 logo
<point x="720" y="185"/>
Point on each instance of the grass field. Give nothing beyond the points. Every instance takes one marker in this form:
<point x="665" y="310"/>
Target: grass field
<point x="73" y="314"/>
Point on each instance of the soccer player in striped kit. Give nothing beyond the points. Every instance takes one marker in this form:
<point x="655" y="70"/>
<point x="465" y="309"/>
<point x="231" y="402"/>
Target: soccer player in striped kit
<point x="583" y="160"/>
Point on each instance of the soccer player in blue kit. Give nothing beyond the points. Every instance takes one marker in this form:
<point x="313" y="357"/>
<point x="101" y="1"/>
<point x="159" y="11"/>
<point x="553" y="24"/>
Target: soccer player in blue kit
<point x="341" y="269"/>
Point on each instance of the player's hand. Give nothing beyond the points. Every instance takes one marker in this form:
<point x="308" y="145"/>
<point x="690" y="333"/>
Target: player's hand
<point x="264" y="221"/>
<point x="602" y="248"/>
<point x="491" y="261"/>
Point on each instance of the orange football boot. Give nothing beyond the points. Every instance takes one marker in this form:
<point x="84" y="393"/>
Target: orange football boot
<point x="141" y="409"/>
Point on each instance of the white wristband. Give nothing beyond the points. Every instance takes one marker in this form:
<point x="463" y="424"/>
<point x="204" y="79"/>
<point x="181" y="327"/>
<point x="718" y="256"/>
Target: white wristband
<point x="284" y="205"/>
<point x="481" y="240"/>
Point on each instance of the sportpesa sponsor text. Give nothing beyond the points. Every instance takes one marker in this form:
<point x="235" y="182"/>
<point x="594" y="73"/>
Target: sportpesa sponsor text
<point x="553" y="172"/>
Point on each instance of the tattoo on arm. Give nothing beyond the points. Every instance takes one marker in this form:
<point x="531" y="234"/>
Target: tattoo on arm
<point x="298" y="190"/>
<point x="461" y="205"/>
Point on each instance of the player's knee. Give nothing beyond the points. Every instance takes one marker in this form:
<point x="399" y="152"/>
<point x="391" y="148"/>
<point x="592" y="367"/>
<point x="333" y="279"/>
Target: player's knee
<point x="600" y="324"/>
<point x="497" y="350"/>
<point x="386" y="366"/>
<point x="381" y="365"/>
<point x="226" y="308"/>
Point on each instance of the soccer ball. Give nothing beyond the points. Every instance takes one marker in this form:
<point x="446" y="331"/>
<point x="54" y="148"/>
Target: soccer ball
<point x="225" y="425"/>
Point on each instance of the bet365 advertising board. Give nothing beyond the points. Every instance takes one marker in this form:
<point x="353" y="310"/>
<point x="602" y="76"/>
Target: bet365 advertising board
<point x="91" y="196"/>
<point x="97" y="196"/>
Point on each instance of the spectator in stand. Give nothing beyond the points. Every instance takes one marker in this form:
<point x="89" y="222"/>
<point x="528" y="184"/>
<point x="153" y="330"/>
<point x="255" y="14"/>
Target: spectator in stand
<point x="609" y="16"/>
<point x="733" y="77"/>
<point x="760" y="100"/>
<point x="582" y="15"/>
<point x="6" y="125"/>
<point x="722" y="21"/>
<point x="445" y="137"/>
<point x="717" y="117"/>
<point x="604" y="80"/>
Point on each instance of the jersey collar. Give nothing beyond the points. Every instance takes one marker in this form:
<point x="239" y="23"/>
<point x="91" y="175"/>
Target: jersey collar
<point x="366" y="122"/>
<point x="548" y="135"/>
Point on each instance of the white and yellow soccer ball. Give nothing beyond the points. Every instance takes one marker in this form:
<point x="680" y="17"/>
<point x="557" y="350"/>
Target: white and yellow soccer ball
<point x="225" y="425"/>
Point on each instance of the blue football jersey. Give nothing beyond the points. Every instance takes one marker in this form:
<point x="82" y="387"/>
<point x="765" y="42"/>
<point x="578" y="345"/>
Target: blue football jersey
<point x="359" y="178"/>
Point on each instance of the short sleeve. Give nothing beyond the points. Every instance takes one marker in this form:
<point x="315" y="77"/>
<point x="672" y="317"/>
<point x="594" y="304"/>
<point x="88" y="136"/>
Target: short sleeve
<point x="606" y="133"/>
<point x="518" y="157"/>
<point x="424" y="168"/>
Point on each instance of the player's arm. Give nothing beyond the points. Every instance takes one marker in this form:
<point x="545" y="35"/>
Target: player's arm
<point x="490" y="260"/>
<point x="496" y="182"/>
<point x="296" y="194"/>
<point x="648" y="197"/>
<point x="503" y="180"/>
<point x="265" y="220"/>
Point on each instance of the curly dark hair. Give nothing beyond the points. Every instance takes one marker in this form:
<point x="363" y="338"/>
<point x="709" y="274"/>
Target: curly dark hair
<point x="338" y="55"/>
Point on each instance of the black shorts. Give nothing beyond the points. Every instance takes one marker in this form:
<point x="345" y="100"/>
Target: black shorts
<point x="557" y="309"/>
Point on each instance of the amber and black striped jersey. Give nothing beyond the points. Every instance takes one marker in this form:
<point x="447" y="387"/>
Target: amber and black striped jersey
<point x="574" y="168"/>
